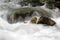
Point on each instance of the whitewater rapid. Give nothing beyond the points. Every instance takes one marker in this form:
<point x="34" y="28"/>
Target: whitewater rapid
<point x="26" y="31"/>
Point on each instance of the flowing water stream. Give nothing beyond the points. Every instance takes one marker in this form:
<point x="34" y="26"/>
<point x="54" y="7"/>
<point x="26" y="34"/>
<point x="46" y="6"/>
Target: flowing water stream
<point x="27" y="31"/>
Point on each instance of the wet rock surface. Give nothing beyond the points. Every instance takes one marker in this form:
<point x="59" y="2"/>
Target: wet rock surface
<point x="21" y="14"/>
<point x="43" y="20"/>
<point x="46" y="20"/>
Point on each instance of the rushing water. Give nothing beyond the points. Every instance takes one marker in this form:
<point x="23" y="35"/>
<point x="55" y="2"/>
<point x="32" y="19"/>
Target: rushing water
<point x="27" y="31"/>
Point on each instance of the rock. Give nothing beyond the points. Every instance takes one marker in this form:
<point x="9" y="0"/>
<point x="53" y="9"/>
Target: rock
<point x="46" y="20"/>
<point x="21" y="14"/>
<point x="43" y="20"/>
<point x="57" y="4"/>
<point x="33" y="20"/>
<point x="44" y="12"/>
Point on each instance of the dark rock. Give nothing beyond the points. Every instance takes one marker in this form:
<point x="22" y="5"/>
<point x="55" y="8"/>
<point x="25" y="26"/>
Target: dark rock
<point x="37" y="3"/>
<point x="46" y="20"/>
<point x="57" y="4"/>
<point x="23" y="3"/>
<point x="50" y="1"/>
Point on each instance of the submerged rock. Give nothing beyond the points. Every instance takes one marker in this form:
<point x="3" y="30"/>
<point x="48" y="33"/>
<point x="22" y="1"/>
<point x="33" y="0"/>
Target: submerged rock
<point x="46" y="20"/>
<point x="43" y="20"/>
<point x="44" y="12"/>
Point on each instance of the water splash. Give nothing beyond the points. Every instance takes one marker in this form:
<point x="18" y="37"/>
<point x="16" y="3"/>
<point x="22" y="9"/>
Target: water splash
<point x="28" y="31"/>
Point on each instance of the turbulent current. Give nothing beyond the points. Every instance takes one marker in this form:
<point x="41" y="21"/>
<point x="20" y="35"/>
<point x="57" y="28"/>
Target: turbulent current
<point x="26" y="31"/>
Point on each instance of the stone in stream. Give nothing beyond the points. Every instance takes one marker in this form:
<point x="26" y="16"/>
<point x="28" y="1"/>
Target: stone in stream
<point x="20" y="14"/>
<point x="44" y="12"/>
<point x="46" y="20"/>
<point x="43" y="20"/>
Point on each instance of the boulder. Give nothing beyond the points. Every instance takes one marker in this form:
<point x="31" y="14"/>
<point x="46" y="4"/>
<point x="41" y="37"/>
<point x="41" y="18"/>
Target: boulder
<point x="44" y="12"/>
<point x="46" y="20"/>
<point x="21" y="14"/>
<point x="23" y="3"/>
<point x="57" y="4"/>
<point x="43" y="20"/>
